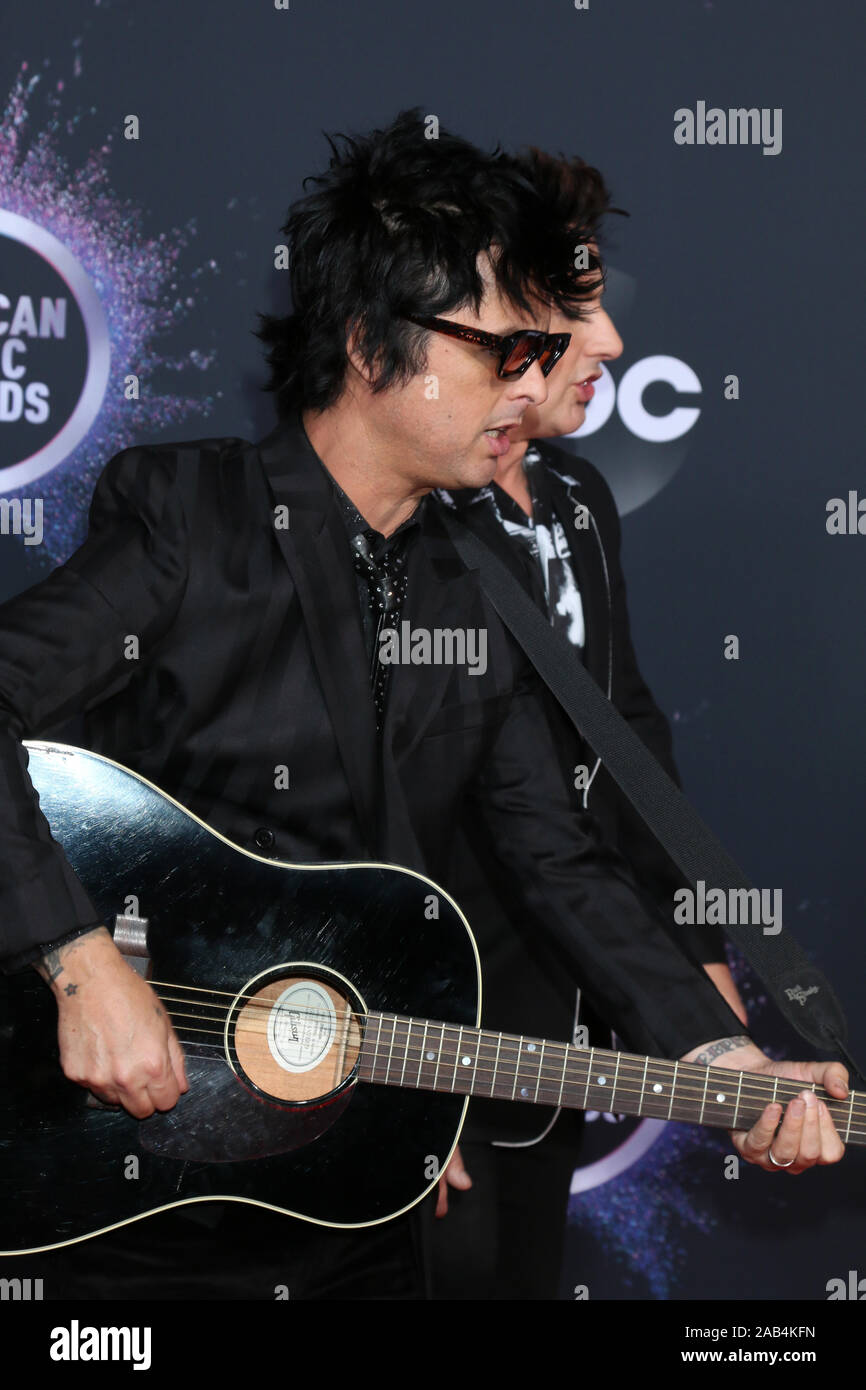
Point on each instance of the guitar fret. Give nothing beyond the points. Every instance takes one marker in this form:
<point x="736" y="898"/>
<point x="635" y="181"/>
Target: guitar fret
<point x="655" y="1081"/>
<point x="538" y="1078"/>
<point x="613" y="1087"/>
<point x="517" y="1067"/>
<point x="548" y="1089"/>
<point x="589" y="1068"/>
<point x="422" y="1048"/>
<point x="390" y="1051"/>
<point x="850" y="1116"/>
<point x="457" y="1052"/>
<point x="439" y="1056"/>
<point x="544" y="1081"/>
<point x="737" y="1104"/>
<point x="673" y="1089"/>
<point x="565" y="1061"/>
<point x="601" y="1082"/>
<point x="421" y="1054"/>
<point x="376" y="1047"/>
<point x="704" y="1096"/>
<point x="475" y="1068"/>
<point x="406" y="1051"/>
<point x="496" y="1063"/>
<point x="501" y="1088"/>
<point x="467" y="1083"/>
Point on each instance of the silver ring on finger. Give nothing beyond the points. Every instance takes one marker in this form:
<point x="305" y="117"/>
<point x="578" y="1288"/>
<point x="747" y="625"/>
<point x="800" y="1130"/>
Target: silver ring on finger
<point x="776" y="1162"/>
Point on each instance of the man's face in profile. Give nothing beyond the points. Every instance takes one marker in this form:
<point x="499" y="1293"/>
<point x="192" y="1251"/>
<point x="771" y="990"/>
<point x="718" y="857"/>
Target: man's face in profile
<point x="446" y="425"/>
<point x="594" y="340"/>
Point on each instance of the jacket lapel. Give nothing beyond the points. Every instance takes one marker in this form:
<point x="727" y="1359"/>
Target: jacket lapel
<point x="441" y="593"/>
<point x="315" y="547"/>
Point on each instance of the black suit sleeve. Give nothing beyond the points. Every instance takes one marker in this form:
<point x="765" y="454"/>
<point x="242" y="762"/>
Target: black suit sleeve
<point x="583" y="894"/>
<point x="64" y="646"/>
<point x="653" y="866"/>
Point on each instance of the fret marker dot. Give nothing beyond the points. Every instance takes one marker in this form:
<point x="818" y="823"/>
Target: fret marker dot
<point x="431" y="1056"/>
<point x="467" y="1061"/>
<point x="524" y="1091"/>
<point x="530" y="1047"/>
<point x="658" y="1087"/>
<point x="721" y="1097"/>
<point x="602" y="1081"/>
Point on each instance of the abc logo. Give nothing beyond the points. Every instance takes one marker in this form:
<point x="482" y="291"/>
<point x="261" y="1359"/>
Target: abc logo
<point x="628" y="400"/>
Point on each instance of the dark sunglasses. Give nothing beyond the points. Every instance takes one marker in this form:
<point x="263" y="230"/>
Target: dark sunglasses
<point x="517" y="351"/>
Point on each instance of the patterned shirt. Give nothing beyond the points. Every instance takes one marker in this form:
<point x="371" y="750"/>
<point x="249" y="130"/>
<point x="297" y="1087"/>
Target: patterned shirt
<point x="380" y="565"/>
<point x="543" y="539"/>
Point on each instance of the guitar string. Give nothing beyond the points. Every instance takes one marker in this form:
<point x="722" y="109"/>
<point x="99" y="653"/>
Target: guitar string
<point x="253" y="999"/>
<point x="548" y="1044"/>
<point x="682" y="1091"/>
<point x="851" y="1102"/>
<point x="853" y="1131"/>
<point x="753" y="1106"/>
<point x="793" y="1088"/>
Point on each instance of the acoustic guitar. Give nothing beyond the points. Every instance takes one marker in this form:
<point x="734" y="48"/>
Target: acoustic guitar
<point x="329" y="1017"/>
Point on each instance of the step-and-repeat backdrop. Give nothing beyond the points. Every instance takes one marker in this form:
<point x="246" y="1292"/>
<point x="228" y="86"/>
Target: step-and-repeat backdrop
<point x="147" y="156"/>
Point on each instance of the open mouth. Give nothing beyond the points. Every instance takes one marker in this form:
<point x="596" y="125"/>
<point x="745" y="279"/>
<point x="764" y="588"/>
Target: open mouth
<point x="498" y="439"/>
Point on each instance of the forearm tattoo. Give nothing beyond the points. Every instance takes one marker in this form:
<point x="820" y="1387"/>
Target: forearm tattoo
<point x="716" y="1049"/>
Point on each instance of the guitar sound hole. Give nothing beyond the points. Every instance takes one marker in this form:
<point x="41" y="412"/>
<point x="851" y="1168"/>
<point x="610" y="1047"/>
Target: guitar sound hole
<point x="296" y="1038"/>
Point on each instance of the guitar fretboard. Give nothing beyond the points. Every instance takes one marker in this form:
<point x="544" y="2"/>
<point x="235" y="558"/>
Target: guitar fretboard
<point x="423" y="1055"/>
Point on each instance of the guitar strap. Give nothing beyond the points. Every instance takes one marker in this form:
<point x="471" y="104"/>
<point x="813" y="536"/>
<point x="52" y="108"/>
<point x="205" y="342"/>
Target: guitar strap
<point x="800" y="989"/>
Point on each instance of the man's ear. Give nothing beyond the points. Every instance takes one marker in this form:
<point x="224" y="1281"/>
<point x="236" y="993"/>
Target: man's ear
<point x="356" y="358"/>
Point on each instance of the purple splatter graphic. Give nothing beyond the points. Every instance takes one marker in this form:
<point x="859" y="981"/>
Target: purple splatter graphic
<point x="636" y="1217"/>
<point x="139" y="279"/>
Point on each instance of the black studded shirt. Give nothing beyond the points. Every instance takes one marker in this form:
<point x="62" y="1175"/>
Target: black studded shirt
<point x="380" y="564"/>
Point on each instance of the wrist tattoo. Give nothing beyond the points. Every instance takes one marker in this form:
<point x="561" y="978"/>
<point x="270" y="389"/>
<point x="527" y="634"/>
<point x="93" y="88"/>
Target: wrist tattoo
<point x="716" y="1049"/>
<point x="49" y="967"/>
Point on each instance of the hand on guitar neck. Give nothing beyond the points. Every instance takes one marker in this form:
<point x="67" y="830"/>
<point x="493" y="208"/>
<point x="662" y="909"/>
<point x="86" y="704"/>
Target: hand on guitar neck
<point x="113" y="1034"/>
<point x="782" y="1140"/>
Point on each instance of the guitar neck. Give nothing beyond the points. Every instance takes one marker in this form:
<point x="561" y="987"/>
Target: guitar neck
<point x="422" y="1055"/>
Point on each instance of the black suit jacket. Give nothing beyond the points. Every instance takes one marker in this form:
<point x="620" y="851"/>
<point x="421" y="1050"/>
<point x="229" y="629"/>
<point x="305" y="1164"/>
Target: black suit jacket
<point x="250" y="657"/>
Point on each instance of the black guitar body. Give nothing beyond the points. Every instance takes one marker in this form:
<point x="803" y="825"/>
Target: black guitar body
<point x="219" y="918"/>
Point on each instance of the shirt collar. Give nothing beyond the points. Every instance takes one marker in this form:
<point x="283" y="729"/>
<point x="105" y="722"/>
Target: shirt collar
<point x="362" y="536"/>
